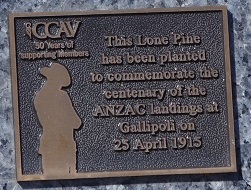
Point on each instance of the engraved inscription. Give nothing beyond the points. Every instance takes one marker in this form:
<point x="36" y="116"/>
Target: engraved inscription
<point x="66" y="28"/>
<point x="173" y="108"/>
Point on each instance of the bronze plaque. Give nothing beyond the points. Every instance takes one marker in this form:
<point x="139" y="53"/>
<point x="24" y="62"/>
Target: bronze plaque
<point x="122" y="93"/>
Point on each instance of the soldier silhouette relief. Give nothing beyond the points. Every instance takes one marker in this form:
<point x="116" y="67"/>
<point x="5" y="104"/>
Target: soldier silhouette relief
<point x="58" y="119"/>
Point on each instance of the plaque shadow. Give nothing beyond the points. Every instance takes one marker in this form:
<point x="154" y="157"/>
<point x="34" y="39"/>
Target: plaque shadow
<point x="235" y="177"/>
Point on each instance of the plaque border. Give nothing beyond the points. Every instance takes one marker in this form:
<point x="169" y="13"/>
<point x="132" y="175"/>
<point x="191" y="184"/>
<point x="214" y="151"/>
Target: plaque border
<point x="104" y="174"/>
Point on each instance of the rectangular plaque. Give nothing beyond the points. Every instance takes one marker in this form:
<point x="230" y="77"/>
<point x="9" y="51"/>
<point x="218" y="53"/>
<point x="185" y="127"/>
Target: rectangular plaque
<point x="122" y="93"/>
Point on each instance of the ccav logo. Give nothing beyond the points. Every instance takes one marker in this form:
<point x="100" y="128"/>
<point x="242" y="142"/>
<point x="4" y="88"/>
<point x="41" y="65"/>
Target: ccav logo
<point x="43" y="30"/>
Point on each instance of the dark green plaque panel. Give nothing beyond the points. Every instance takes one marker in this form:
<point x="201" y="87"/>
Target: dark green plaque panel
<point x="122" y="93"/>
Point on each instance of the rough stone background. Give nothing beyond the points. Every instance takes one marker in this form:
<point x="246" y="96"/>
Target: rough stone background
<point x="240" y="46"/>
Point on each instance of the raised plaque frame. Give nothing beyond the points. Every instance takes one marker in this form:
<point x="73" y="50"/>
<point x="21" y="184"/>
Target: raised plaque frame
<point x="231" y="168"/>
